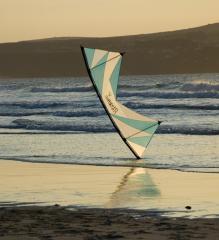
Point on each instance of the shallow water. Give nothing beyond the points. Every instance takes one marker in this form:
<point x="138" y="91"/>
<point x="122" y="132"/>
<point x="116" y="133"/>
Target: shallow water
<point x="167" y="151"/>
<point x="61" y="120"/>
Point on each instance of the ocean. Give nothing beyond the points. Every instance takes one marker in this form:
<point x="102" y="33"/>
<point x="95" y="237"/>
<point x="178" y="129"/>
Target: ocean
<point x="61" y="120"/>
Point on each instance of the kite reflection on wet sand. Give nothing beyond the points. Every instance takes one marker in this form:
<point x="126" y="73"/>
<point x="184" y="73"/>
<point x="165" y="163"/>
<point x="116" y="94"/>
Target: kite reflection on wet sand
<point x="135" y="187"/>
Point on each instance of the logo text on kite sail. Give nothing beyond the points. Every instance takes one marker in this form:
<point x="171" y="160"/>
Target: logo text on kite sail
<point x="110" y="103"/>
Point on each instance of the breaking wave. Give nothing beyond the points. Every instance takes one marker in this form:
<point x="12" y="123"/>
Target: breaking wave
<point x="32" y="105"/>
<point x="102" y="127"/>
<point x="47" y="104"/>
<point x="64" y="89"/>
<point x="60" y="126"/>
<point x="161" y="90"/>
<point x="79" y="114"/>
<point x="195" y="87"/>
<point x="170" y="106"/>
<point x="169" y="95"/>
<point x="71" y="105"/>
<point x="93" y="113"/>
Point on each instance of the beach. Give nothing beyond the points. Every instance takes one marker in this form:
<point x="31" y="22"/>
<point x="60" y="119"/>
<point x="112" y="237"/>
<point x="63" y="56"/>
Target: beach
<point x="66" y="174"/>
<point x="57" y="223"/>
<point x="163" y="191"/>
<point x="109" y="125"/>
<point x="63" y="201"/>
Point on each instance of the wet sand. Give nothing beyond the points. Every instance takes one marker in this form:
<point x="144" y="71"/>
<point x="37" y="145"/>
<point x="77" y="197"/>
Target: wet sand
<point x="55" y="222"/>
<point x="110" y="187"/>
<point x="94" y="202"/>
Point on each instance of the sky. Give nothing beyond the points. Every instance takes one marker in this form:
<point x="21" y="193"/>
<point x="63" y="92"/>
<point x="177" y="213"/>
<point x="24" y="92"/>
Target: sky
<point x="36" y="19"/>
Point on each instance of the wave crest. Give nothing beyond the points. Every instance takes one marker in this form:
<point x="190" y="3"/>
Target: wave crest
<point x="170" y="106"/>
<point x="170" y="95"/>
<point x="64" y="89"/>
<point x="197" y="87"/>
<point x="102" y="127"/>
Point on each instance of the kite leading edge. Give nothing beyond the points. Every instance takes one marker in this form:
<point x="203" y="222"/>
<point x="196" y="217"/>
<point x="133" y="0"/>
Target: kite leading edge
<point x="135" y="130"/>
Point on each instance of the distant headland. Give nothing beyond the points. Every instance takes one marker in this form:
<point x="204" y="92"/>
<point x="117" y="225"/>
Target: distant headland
<point x="194" y="50"/>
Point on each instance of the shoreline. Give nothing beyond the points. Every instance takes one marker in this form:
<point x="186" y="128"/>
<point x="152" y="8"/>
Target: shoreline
<point x="106" y="165"/>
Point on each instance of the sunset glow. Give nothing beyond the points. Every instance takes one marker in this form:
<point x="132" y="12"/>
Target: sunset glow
<point x="34" y="19"/>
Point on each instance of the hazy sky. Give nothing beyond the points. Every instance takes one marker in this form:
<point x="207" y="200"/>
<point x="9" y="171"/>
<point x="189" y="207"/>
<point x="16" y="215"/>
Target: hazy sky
<point x="31" y="19"/>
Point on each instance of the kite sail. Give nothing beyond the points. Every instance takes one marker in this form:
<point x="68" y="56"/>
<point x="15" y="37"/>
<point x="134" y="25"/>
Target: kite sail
<point x="103" y="68"/>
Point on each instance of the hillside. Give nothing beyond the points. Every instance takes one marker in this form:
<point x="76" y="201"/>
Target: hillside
<point x="194" y="50"/>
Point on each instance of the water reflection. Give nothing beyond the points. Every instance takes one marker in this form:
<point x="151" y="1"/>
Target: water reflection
<point x="135" y="188"/>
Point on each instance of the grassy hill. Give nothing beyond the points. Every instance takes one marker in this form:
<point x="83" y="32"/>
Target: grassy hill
<point x="194" y="50"/>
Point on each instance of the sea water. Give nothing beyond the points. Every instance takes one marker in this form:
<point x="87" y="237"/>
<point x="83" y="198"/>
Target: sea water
<point x="61" y="120"/>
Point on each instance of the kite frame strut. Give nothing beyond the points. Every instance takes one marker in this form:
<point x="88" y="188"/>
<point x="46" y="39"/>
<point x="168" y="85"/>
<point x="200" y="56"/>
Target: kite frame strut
<point x="102" y="102"/>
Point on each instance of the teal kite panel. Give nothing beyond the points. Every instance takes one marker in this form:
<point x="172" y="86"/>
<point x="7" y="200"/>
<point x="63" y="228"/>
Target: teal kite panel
<point x="98" y="76"/>
<point x="152" y="129"/>
<point x="89" y="55"/>
<point x="140" y="125"/>
<point x="142" y="141"/>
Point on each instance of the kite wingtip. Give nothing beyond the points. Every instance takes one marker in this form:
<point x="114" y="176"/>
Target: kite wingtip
<point x="159" y="122"/>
